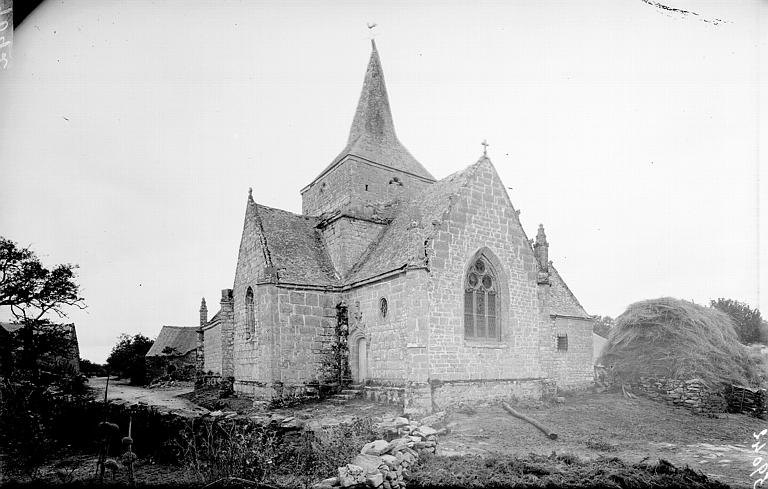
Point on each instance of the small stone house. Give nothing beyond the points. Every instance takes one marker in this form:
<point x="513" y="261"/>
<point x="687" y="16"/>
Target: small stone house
<point x="66" y="355"/>
<point x="174" y="352"/>
<point x="427" y="292"/>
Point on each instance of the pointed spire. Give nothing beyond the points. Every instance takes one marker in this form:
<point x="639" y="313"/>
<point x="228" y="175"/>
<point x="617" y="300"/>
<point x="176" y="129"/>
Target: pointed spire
<point x="373" y="116"/>
<point x="372" y="135"/>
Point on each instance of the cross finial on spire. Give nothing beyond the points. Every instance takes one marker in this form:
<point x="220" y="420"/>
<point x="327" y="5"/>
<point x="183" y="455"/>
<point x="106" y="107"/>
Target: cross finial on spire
<point x="250" y="192"/>
<point x="485" y="147"/>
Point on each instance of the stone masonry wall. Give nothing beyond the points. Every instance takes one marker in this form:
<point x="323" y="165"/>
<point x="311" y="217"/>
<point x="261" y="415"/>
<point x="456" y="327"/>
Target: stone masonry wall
<point x="347" y="183"/>
<point x="385" y="336"/>
<point x="212" y="349"/>
<point x="482" y="220"/>
<point x="693" y="394"/>
<point x="287" y="345"/>
<point x="571" y="368"/>
<point x="254" y="367"/>
<point x="447" y="394"/>
<point x="329" y="193"/>
<point x="307" y="325"/>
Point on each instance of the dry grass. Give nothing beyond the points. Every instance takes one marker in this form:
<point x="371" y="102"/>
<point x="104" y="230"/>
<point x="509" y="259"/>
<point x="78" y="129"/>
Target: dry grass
<point x="680" y="340"/>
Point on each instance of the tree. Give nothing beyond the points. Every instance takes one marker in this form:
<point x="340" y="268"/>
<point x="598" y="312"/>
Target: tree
<point x="746" y="320"/>
<point x="92" y="369"/>
<point x="603" y="326"/>
<point x="764" y="332"/>
<point x="31" y="292"/>
<point x="127" y="357"/>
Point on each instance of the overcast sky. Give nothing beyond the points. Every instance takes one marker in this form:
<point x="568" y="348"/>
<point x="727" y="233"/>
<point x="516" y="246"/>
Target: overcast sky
<point x="130" y="132"/>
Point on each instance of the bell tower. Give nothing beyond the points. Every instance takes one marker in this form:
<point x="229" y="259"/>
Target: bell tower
<point x="374" y="168"/>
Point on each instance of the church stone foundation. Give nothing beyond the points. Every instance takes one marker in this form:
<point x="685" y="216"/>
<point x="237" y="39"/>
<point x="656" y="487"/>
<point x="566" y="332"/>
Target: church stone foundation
<point x="425" y="398"/>
<point x="451" y="393"/>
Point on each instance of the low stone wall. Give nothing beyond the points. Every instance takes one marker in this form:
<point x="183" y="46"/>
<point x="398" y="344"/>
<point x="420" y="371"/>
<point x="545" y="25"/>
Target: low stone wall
<point x="747" y="400"/>
<point x="451" y="393"/>
<point x="385" y="394"/>
<point x="384" y="464"/>
<point x="694" y="394"/>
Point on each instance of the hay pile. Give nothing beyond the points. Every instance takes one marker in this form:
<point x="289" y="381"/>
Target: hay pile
<point x="676" y="339"/>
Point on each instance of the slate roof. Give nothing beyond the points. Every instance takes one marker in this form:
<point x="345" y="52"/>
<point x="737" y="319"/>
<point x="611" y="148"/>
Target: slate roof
<point x="402" y="243"/>
<point x="11" y="327"/>
<point x="181" y="338"/>
<point x="562" y="300"/>
<point x="295" y="247"/>
<point x="372" y="135"/>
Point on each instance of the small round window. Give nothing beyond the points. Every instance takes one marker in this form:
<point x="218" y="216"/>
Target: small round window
<point x="383" y="307"/>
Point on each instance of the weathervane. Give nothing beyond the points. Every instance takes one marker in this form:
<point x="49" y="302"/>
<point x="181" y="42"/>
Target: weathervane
<point x="370" y="28"/>
<point x="485" y="147"/>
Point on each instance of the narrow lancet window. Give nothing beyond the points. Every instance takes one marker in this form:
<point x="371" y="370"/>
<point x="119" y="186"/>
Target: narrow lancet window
<point x="250" y="314"/>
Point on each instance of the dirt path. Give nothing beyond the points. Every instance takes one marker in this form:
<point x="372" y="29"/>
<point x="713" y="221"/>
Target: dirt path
<point x="594" y="425"/>
<point x="162" y="397"/>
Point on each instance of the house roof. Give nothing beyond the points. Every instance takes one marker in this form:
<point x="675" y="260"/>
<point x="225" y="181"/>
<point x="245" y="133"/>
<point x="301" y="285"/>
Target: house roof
<point x="11" y="327"/>
<point x="562" y="300"/>
<point x="294" y="247"/>
<point x="372" y="135"/>
<point x="183" y="339"/>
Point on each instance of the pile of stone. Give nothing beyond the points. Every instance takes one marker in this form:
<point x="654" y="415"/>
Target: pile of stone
<point x="748" y="400"/>
<point x="385" y="464"/>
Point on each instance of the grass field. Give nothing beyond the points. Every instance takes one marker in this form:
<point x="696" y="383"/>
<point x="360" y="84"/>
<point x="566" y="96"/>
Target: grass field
<point x="593" y="425"/>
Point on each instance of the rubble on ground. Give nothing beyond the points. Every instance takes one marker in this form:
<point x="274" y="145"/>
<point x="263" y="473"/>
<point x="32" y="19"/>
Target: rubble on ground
<point x="384" y="464"/>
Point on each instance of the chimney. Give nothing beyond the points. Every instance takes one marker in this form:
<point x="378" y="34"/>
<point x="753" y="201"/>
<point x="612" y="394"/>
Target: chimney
<point x="227" y="299"/>
<point x="200" y="355"/>
<point x="203" y="313"/>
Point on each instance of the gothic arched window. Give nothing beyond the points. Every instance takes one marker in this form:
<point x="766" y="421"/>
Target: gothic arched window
<point x="481" y="305"/>
<point x="250" y="313"/>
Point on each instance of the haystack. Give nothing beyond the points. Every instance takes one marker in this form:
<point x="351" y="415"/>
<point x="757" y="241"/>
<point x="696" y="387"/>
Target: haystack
<point x="676" y="339"/>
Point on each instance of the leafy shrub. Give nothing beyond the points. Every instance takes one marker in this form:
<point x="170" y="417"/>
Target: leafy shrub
<point x="214" y="450"/>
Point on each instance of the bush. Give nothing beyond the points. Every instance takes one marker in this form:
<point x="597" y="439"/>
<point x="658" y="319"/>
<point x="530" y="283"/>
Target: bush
<point x="216" y="449"/>
<point x="35" y="422"/>
<point x="91" y="369"/>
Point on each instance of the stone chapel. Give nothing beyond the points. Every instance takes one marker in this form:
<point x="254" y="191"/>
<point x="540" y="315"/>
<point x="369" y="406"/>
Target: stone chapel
<point x="423" y="292"/>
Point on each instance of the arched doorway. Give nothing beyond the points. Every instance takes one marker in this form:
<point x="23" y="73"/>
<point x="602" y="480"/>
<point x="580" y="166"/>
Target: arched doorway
<point x="362" y="361"/>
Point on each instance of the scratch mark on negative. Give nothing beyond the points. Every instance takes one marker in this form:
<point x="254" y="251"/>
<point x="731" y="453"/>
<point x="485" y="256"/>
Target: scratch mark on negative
<point x="682" y="12"/>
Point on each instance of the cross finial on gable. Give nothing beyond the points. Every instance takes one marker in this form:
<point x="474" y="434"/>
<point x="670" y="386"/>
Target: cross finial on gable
<point x="485" y="147"/>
